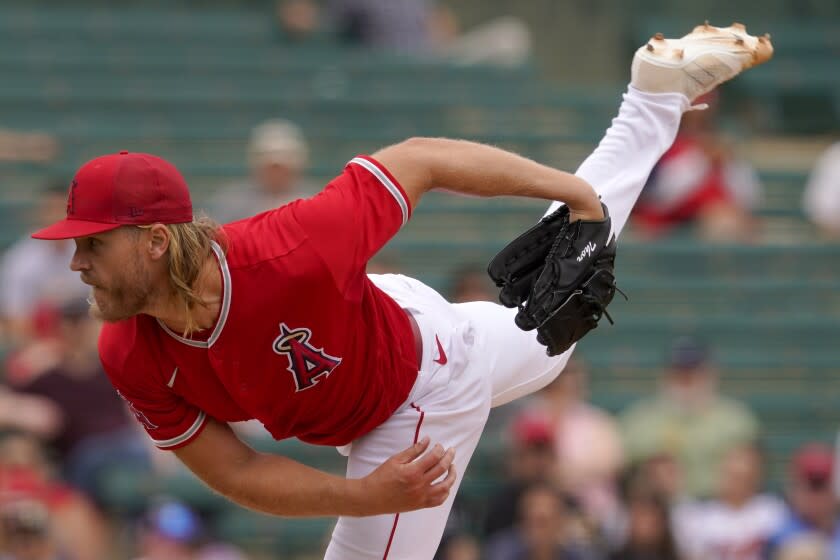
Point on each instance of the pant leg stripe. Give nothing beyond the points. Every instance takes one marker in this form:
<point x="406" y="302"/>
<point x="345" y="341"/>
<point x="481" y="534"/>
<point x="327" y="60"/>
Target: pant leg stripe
<point x="397" y="516"/>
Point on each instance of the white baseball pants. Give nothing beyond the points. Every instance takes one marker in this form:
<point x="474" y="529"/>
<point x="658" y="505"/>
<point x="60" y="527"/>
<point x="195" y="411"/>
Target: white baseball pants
<point x="484" y="359"/>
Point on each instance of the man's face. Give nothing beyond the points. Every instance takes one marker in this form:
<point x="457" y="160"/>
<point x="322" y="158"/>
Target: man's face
<point x="740" y="475"/>
<point x="534" y="462"/>
<point x="114" y="265"/>
<point x="276" y="177"/>
<point x="690" y="387"/>
<point x="541" y="518"/>
<point x="813" y="498"/>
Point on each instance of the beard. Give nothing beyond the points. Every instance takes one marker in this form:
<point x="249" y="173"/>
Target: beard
<point x="126" y="296"/>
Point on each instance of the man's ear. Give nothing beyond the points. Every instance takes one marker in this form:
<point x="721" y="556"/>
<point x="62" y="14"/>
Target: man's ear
<point x="157" y="241"/>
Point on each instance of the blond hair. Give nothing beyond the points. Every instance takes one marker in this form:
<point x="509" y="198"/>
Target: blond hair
<point x="189" y="246"/>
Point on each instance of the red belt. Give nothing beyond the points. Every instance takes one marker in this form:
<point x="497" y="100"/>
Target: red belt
<point x="418" y="340"/>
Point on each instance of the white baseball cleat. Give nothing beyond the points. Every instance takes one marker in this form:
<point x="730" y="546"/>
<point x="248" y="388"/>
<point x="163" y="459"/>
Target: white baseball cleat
<point x="698" y="62"/>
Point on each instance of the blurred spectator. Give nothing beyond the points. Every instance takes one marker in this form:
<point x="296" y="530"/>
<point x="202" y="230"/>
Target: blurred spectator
<point x="402" y="25"/>
<point x="587" y="441"/>
<point x="37" y="275"/>
<point x="25" y="532"/>
<point x="812" y="505"/>
<point x="218" y="551"/>
<point x="95" y="434"/>
<point x="27" y="146"/>
<point x="737" y="524"/>
<point x="461" y="546"/>
<point x="821" y="200"/>
<point x="545" y="530"/>
<point x="76" y="529"/>
<point x="170" y="530"/>
<point x="409" y="26"/>
<point x="34" y="415"/>
<point x="700" y="180"/>
<point x="665" y="475"/>
<point x="297" y="19"/>
<point x="471" y="283"/>
<point x="688" y="419"/>
<point x="807" y="547"/>
<point x="648" y="532"/>
<point x="532" y="459"/>
<point x="660" y="476"/>
<point x="835" y="476"/>
<point x="277" y="156"/>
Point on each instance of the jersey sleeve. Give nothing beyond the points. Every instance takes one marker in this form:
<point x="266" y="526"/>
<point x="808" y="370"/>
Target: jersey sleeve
<point x="170" y="421"/>
<point x="353" y="217"/>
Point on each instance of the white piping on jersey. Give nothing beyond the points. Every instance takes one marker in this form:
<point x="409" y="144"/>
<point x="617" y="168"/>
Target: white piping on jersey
<point x="191" y="431"/>
<point x="223" y="314"/>
<point x="387" y="183"/>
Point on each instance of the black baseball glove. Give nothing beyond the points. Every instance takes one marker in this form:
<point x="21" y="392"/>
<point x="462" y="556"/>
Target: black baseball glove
<point x="561" y="277"/>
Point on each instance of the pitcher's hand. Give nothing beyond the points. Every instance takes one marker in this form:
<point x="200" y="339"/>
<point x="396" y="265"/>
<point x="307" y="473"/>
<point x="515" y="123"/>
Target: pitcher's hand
<point x="407" y="480"/>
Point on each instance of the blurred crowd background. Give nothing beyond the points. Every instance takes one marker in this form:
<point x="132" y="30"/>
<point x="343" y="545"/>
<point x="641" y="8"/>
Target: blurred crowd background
<point x="701" y="426"/>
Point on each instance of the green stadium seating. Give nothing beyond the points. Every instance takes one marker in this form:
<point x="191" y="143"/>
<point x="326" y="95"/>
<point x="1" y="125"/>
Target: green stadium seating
<point x="190" y="83"/>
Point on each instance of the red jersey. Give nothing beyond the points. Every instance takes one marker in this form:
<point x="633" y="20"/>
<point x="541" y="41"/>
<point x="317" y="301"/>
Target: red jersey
<point x="304" y="342"/>
<point x="666" y="203"/>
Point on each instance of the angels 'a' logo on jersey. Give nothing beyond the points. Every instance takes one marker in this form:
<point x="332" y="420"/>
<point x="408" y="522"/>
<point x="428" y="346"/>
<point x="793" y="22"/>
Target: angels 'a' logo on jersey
<point x="142" y="418"/>
<point x="307" y="364"/>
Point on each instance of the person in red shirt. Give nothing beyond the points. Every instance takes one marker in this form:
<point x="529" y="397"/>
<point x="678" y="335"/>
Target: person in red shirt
<point x="700" y="182"/>
<point x="273" y="317"/>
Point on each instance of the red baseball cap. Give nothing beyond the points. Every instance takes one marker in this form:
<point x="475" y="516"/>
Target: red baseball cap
<point x="813" y="463"/>
<point x="122" y="189"/>
<point x="531" y="427"/>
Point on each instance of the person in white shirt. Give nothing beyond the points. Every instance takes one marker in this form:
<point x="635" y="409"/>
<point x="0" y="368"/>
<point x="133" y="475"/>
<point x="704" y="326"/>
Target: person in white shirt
<point x="34" y="273"/>
<point x="278" y="156"/>
<point x="821" y="200"/>
<point x="737" y="524"/>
